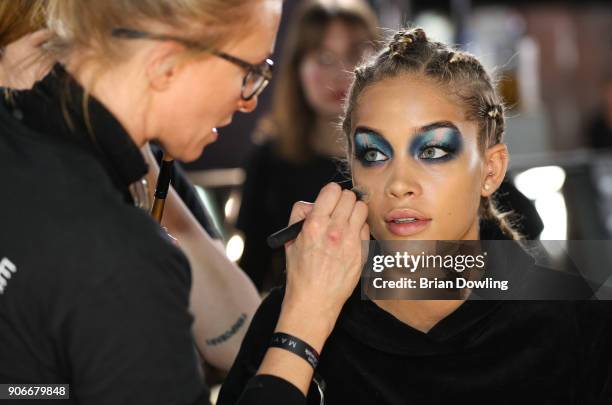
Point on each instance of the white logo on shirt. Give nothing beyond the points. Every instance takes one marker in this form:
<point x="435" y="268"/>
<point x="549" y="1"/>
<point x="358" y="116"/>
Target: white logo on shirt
<point x="7" y="268"/>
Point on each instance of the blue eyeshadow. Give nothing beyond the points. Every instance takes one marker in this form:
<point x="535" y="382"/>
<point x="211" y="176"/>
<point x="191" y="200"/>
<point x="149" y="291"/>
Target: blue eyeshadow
<point x="371" y="148"/>
<point x="443" y="141"/>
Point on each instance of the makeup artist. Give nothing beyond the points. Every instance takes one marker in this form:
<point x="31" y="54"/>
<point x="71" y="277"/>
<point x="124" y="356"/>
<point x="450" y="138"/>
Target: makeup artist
<point x="223" y="299"/>
<point x="93" y="294"/>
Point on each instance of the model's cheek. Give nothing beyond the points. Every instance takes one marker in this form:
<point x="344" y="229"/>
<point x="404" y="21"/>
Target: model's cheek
<point x="472" y="157"/>
<point x="367" y="179"/>
<point x="378" y="228"/>
<point x="458" y="205"/>
<point x="463" y="169"/>
<point x="468" y="180"/>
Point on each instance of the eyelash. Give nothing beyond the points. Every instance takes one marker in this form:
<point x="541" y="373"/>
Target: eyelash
<point x="443" y="148"/>
<point x="361" y="155"/>
<point x="368" y="149"/>
<point x="377" y="151"/>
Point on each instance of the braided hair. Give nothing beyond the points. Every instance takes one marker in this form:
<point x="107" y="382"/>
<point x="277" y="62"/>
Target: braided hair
<point x="410" y="51"/>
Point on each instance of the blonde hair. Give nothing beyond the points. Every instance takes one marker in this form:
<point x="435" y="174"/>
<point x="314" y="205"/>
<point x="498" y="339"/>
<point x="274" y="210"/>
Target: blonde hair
<point x="18" y="18"/>
<point x="86" y="27"/>
<point x="88" y="24"/>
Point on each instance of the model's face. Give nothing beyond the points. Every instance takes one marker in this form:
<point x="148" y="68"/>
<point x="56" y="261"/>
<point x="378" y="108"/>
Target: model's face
<point x="419" y="159"/>
<point x="325" y="72"/>
<point x="206" y="93"/>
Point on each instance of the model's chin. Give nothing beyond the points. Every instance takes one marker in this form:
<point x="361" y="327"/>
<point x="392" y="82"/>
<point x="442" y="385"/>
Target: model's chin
<point x="421" y="235"/>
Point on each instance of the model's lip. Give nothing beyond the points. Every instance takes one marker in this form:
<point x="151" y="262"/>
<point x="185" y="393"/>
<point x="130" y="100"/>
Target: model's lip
<point x="405" y="213"/>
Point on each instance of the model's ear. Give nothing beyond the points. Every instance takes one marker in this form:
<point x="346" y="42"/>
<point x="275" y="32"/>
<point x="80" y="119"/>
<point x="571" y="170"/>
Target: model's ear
<point x="494" y="169"/>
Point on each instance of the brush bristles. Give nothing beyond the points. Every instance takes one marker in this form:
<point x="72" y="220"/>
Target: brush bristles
<point x="361" y="192"/>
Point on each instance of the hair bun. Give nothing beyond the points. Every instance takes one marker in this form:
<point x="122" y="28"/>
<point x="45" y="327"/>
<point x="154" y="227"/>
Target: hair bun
<point x="413" y="35"/>
<point x="456" y="57"/>
<point x="403" y="40"/>
<point x="494" y="111"/>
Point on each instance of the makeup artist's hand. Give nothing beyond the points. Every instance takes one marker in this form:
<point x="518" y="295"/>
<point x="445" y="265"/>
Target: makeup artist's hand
<point x="323" y="266"/>
<point x="325" y="261"/>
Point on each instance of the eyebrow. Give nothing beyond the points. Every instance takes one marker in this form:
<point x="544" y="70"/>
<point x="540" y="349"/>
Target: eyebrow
<point x="436" y="125"/>
<point x="368" y="129"/>
<point x="425" y="128"/>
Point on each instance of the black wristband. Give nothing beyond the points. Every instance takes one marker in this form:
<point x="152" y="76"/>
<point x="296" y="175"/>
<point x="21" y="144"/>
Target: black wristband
<point x="295" y="346"/>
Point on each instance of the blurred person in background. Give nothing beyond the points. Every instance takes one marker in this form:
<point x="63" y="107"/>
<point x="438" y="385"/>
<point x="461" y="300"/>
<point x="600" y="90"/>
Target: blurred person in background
<point x="299" y="139"/>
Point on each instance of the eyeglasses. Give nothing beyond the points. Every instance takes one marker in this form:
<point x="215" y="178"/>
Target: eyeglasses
<point x="255" y="80"/>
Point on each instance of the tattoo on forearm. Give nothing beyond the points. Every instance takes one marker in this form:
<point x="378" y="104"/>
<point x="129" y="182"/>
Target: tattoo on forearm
<point x="229" y="333"/>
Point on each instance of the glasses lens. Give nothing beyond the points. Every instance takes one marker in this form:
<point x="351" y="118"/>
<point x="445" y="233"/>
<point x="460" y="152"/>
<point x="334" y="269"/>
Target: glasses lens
<point x="256" y="80"/>
<point x="254" y="83"/>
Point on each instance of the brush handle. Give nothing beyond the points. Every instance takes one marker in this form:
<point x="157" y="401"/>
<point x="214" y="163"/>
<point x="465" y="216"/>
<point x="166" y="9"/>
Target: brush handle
<point x="279" y="238"/>
<point x="161" y="189"/>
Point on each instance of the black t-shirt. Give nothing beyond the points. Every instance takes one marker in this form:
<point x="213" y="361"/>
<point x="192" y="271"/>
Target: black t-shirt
<point x="501" y="352"/>
<point x="97" y="296"/>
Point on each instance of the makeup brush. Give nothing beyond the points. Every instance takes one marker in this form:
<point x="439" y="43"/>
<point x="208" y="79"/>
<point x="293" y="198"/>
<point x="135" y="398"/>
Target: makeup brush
<point x="161" y="189"/>
<point x="279" y="238"/>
